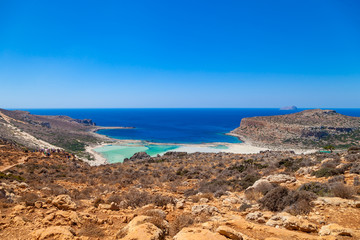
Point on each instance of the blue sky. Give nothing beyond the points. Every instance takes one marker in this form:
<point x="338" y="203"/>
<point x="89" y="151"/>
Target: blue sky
<point x="93" y="54"/>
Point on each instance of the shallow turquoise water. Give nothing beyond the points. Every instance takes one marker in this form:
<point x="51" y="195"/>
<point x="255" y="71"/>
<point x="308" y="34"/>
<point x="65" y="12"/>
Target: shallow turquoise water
<point x="117" y="153"/>
<point x="220" y="147"/>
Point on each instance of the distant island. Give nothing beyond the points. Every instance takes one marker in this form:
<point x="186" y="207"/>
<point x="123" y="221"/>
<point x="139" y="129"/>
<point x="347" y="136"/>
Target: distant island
<point x="307" y="129"/>
<point x="289" y="108"/>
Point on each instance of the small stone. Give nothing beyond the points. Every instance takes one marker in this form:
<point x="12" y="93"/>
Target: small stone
<point x="229" y="233"/>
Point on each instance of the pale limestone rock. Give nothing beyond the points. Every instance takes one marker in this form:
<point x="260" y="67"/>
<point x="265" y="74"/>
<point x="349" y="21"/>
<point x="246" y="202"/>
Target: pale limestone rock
<point x="38" y="204"/>
<point x="230" y="201"/>
<point x="206" y="209"/>
<point x="180" y="203"/>
<point x="291" y="222"/>
<point x="256" y="216"/>
<point x="335" y="230"/>
<point x="229" y="233"/>
<point x="280" y="178"/>
<point x="197" y="233"/>
<point x="18" y="221"/>
<point x="54" y="232"/>
<point x="140" y="228"/>
<point x="23" y="185"/>
<point x="63" y="202"/>
<point x="112" y="206"/>
<point x="62" y="218"/>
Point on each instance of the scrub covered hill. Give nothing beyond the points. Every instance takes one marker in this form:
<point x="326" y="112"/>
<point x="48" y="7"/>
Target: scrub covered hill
<point x="35" y="131"/>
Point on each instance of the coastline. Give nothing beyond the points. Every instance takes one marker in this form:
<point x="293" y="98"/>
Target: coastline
<point x="245" y="147"/>
<point x="235" y="148"/>
<point x="98" y="158"/>
<point x="273" y="148"/>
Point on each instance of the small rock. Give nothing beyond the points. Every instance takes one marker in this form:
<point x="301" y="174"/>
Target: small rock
<point x="229" y="233"/>
<point x="38" y="204"/>
<point x="208" y="210"/>
<point x="64" y="202"/>
<point x="180" y="204"/>
<point x="23" y="185"/>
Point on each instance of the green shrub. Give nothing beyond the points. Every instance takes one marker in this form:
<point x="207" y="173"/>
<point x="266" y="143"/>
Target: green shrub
<point x="325" y="172"/>
<point x="320" y="189"/>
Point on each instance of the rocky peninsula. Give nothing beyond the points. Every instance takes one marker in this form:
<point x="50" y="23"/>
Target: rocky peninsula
<point x="307" y="129"/>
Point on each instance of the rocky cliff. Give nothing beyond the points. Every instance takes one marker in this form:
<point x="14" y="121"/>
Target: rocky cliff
<point x="306" y="129"/>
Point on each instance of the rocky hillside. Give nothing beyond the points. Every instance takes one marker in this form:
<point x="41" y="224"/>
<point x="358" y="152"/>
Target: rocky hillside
<point x="306" y="129"/>
<point x="179" y="196"/>
<point x="35" y="131"/>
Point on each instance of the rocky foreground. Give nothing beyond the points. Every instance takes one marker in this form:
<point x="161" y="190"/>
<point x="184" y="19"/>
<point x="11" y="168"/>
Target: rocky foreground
<point x="271" y="195"/>
<point x="307" y="129"/>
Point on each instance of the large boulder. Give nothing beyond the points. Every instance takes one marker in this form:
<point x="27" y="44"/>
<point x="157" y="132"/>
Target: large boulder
<point x="280" y="178"/>
<point x="140" y="228"/>
<point x="64" y="202"/>
<point x="191" y="233"/>
<point x="54" y="232"/>
<point x="335" y="230"/>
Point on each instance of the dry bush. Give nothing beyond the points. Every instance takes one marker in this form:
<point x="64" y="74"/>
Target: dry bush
<point x="342" y="191"/>
<point x="356" y="181"/>
<point x="209" y="196"/>
<point x="355" y="168"/>
<point x="159" y="222"/>
<point x="29" y="199"/>
<point x="339" y="178"/>
<point x="161" y="200"/>
<point x="98" y="201"/>
<point x="280" y="198"/>
<point x="219" y="193"/>
<point x="135" y="198"/>
<point x="114" y="198"/>
<point x="195" y="198"/>
<point x="253" y="195"/>
<point x="91" y="230"/>
<point x="264" y="187"/>
<point x="302" y="206"/>
<point x="57" y="189"/>
<point x="180" y="222"/>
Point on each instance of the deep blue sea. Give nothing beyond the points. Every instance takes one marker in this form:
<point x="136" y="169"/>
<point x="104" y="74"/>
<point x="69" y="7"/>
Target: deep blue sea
<point x="172" y="125"/>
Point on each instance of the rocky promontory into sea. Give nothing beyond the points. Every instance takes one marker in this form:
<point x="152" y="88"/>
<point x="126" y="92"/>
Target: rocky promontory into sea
<point x="307" y="129"/>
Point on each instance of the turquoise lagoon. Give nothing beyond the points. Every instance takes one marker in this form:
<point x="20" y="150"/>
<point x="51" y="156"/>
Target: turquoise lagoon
<point x="117" y="153"/>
